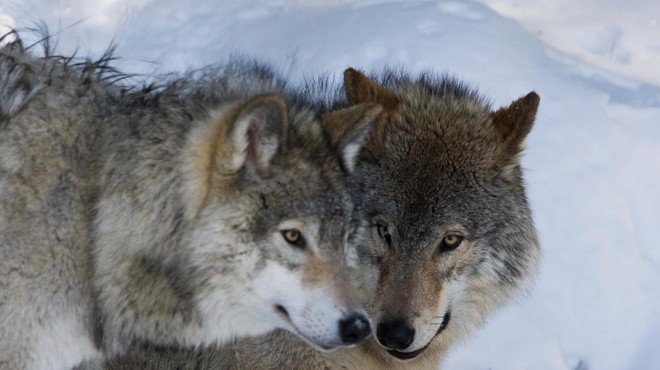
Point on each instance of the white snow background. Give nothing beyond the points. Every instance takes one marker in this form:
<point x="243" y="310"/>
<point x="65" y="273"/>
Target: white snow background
<point x="592" y="159"/>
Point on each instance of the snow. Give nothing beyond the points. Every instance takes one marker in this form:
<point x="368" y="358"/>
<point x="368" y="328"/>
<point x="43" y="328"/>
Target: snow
<point x="618" y="36"/>
<point x="592" y="159"/>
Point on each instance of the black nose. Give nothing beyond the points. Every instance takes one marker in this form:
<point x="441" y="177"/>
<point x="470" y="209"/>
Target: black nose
<point x="354" y="329"/>
<point x="395" y="334"/>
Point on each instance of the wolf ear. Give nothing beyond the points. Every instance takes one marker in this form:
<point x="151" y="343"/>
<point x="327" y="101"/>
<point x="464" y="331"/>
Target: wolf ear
<point x="348" y="128"/>
<point x="361" y="89"/>
<point x="246" y="135"/>
<point x="258" y="128"/>
<point x="514" y="123"/>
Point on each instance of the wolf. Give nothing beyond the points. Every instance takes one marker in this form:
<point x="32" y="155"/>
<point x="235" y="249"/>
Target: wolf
<point x="209" y="206"/>
<point x="451" y="236"/>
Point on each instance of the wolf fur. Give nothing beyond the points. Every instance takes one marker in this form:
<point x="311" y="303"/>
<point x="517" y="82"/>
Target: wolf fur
<point x="439" y="166"/>
<point x="212" y="207"/>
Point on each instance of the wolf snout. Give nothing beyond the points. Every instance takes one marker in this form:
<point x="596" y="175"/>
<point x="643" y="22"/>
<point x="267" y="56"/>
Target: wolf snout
<point x="395" y="334"/>
<point x="354" y="329"/>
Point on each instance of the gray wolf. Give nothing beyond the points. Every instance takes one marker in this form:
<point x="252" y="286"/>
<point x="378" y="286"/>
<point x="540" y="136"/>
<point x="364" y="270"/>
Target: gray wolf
<point x="451" y="235"/>
<point x="211" y="206"/>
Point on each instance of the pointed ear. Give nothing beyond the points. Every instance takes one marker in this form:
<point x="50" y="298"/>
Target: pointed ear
<point x="258" y="128"/>
<point x="514" y="123"/>
<point x="361" y="89"/>
<point x="246" y="135"/>
<point x="348" y="128"/>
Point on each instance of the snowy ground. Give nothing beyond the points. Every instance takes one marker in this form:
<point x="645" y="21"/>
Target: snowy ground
<point x="593" y="158"/>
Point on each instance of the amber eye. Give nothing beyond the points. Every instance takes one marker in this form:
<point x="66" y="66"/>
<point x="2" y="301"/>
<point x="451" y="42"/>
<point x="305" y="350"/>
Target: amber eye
<point x="293" y="237"/>
<point x="384" y="234"/>
<point x="450" y="242"/>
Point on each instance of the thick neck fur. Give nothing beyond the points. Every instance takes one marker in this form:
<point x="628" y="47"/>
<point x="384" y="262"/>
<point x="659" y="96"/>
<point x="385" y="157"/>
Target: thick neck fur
<point x="141" y="233"/>
<point x="371" y="356"/>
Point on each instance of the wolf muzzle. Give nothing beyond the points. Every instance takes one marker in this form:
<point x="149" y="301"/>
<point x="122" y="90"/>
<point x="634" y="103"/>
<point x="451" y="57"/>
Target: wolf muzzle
<point x="354" y="329"/>
<point x="395" y="334"/>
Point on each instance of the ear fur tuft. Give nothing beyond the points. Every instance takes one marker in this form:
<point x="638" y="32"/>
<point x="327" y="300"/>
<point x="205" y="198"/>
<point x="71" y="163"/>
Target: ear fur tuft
<point x="247" y="135"/>
<point x="256" y="132"/>
<point x="514" y="123"/>
<point x="361" y="89"/>
<point x="347" y="130"/>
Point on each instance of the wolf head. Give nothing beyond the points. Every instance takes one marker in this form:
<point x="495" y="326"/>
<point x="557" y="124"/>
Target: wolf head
<point x="273" y="220"/>
<point x="452" y="236"/>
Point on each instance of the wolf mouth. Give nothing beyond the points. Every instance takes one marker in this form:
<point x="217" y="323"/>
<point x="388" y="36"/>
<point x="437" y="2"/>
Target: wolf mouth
<point x="284" y="314"/>
<point x="410" y="355"/>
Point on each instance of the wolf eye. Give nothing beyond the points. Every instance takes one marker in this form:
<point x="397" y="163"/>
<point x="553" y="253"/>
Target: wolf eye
<point x="450" y="242"/>
<point x="293" y="237"/>
<point x="384" y="233"/>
